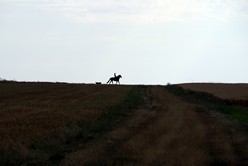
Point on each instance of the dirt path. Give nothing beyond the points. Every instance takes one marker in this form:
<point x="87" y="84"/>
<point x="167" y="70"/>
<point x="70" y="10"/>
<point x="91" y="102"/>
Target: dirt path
<point x="164" y="131"/>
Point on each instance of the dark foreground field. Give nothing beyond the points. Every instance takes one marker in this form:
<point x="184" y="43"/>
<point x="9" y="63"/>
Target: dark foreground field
<point x="79" y="124"/>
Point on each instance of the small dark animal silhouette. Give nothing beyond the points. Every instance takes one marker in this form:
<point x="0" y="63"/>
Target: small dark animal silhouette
<point x="116" y="79"/>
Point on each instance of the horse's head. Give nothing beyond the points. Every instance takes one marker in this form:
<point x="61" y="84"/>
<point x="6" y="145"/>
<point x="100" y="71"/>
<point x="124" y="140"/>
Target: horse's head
<point x="119" y="76"/>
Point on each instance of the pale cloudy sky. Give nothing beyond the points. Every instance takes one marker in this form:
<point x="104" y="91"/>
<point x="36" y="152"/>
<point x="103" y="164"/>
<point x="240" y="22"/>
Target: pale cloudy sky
<point x="147" y="41"/>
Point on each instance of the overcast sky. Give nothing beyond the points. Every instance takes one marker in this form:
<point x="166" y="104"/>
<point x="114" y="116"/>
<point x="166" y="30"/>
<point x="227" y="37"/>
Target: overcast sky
<point x="146" y="41"/>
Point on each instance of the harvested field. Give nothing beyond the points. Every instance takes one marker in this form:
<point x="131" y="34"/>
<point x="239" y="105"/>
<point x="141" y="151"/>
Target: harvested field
<point x="224" y="91"/>
<point x="78" y="124"/>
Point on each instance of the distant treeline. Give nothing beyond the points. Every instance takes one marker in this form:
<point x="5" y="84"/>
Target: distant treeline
<point x="3" y="80"/>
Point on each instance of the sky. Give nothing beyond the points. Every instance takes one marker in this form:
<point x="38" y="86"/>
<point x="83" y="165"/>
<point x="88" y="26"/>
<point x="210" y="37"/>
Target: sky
<point x="146" y="41"/>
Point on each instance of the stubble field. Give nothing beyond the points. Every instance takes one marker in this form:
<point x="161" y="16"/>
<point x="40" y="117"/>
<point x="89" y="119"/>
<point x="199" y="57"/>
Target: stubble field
<point x="80" y="124"/>
<point x="224" y="91"/>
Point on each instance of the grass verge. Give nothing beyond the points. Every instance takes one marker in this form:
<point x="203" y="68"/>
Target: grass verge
<point x="235" y="110"/>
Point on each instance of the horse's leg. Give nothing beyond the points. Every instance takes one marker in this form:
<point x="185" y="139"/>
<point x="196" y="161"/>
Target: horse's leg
<point x="109" y="81"/>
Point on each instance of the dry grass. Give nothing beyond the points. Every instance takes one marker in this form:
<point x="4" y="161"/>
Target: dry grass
<point x="38" y="117"/>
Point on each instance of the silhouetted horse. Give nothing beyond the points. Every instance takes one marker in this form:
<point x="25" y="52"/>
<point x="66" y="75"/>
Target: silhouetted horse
<point x="116" y="79"/>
